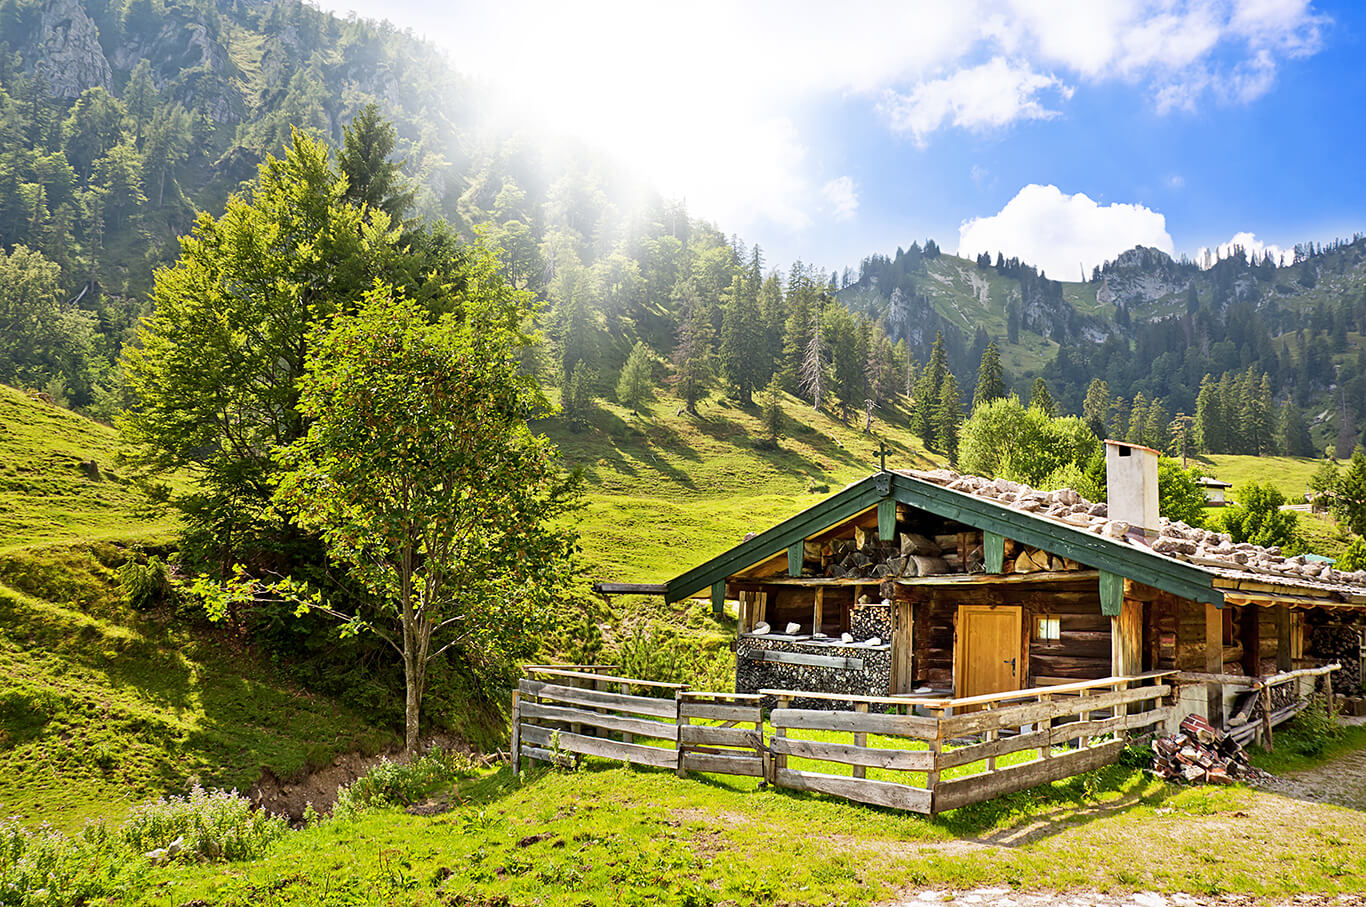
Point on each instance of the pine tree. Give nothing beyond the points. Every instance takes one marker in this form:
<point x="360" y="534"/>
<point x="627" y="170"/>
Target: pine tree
<point x="1042" y="399"/>
<point x="773" y="417"/>
<point x="1138" y="415"/>
<point x="928" y="392"/>
<point x="1156" y="426"/>
<point x="373" y="179"/>
<point x="1209" y="418"/>
<point x="991" y="384"/>
<point x="636" y="386"/>
<point x="741" y="338"/>
<point x="692" y="357"/>
<point x="1295" y="440"/>
<point x="1095" y="409"/>
<point x="947" y="417"/>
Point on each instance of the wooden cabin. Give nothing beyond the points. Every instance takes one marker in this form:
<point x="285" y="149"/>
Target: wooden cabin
<point x="933" y="583"/>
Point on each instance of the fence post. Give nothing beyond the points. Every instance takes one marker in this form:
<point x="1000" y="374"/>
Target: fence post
<point x="625" y="689"/>
<point x="1266" y="716"/>
<point x="516" y="732"/>
<point x="681" y="720"/>
<point x="860" y="739"/>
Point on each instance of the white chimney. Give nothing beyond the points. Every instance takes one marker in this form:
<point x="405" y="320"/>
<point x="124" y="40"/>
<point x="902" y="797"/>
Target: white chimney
<point x="1131" y="482"/>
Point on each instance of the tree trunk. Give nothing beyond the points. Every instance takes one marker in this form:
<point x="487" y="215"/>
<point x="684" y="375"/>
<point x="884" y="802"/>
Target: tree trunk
<point x="412" y="707"/>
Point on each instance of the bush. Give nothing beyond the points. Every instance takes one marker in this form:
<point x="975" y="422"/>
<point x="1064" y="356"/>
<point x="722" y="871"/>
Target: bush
<point x="1314" y="728"/>
<point x="48" y="868"/>
<point x="401" y="783"/>
<point x="215" y="825"/>
<point x="145" y="585"/>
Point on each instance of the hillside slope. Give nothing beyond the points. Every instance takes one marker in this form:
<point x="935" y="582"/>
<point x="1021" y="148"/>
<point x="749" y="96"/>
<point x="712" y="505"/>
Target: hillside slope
<point x="60" y="479"/>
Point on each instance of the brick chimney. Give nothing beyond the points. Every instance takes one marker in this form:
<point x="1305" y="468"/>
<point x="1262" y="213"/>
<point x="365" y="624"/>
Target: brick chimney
<point x="1131" y="483"/>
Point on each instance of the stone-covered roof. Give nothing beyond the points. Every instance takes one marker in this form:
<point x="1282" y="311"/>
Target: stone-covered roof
<point x="1213" y="552"/>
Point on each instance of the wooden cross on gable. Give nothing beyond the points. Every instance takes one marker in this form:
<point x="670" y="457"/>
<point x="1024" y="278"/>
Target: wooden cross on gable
<point x="882" y="455"/>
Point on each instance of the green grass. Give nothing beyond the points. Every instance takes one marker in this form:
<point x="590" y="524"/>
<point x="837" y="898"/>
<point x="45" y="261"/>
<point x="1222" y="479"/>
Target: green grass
<point x="1290" y="475"/>
<point x="45" y="494"/>
<point x="608" y="835"/>
<point x="1287" y="755"/>
<point x="103" y="706"/>
<point x="668" y="490"/>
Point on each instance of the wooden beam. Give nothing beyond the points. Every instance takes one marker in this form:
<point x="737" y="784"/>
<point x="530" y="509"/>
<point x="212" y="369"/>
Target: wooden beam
<point x="1126" y="638"/>
<point x="1214" y="662"/>
<point x="818" y="613"/>
<point x="802" y="658"/>
<point x="796" y="558"/>
<point x="718" y="598"/>
<point x="1111" y="595"/>
<point x="886" y="520"/>
<point x="994" y="551"/>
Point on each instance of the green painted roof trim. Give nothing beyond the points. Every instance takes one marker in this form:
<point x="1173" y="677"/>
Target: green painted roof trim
<point x="773" y="541"/>
<point x="1076" y="544"/>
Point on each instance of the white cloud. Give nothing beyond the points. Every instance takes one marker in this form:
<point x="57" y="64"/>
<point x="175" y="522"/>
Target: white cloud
<point x="842" y="195"/>
<point x="994" y="94"/>
<point x="1248" y="242"/>
<point x="1176" y="181"/>
<point x="1062" y="233"/>
<point x="711" y="99"/>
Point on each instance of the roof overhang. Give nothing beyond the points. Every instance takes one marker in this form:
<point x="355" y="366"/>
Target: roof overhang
<point x="1095" y="551"/>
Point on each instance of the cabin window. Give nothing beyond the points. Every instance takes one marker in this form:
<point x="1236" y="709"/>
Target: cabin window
<point x="1048" y="627"/>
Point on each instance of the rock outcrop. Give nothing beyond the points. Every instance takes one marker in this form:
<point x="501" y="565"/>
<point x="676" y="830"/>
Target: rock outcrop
<point x="68" y="52"/>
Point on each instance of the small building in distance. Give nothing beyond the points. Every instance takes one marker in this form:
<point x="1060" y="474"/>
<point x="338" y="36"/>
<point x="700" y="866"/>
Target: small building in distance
<point x="1215" y="490"/>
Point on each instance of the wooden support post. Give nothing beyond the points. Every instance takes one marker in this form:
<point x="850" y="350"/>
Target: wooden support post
<point x="1126" y="637"/>
<point x="625" y="690"/>
<point x="718" y="598"/>
<point x="993" y="734"/>
<point x="516" y="733"/>
<point x="860" y="739"/>
<point x="763" y="609"/>
<point x="1283" y="630"/>
<point x="681" y="720"/>
<point x="936" y="748"/>
<point x="1046" y="750"/>
<point x="818" y="613"/>
<point x="886" y="520"/>
<point x="1266" y="718"/>
<point x="796" y="558"/>
<point x="742" y="622"/>
<point x="1214" y="663"/>
<point x="780" y="760"/>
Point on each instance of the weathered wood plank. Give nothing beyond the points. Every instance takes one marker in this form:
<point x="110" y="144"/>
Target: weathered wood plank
<point x="803" y="658"/>
<point x="874" y="793"/>
<point x="751" y="765"/>
<point x="869" y="757"/>
<point x="966" y="755"/>
<point x="643" y="727"/>
<point x="563" y="760"/>
<point x="1030" y="713"/>
<point x="976" y="788"/>
<point x="588" y="675"/>
<point x="601" y="746"/>
<point x="717" y="712"/>
<point x="856" y="722"/>
<point x="638" y="705"/>
<point x="705" y="735"/>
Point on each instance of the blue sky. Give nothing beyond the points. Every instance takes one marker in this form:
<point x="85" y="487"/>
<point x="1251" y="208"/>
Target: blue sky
<point x="1062" y="131"/>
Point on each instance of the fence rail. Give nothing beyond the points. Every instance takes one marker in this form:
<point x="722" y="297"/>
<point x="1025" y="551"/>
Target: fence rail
<point x="927" y="755"/>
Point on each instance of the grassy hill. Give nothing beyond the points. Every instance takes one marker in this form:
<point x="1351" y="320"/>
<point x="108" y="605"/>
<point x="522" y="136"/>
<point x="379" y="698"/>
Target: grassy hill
<point x="103" y="705"/>
<point x="668" y="490"/>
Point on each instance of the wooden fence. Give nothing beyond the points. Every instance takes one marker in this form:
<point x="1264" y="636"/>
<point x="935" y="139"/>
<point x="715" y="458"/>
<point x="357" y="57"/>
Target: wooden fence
<point x="953" y="755"/>
<point x="1241" y="726"/>
<point x="954" y="752"/>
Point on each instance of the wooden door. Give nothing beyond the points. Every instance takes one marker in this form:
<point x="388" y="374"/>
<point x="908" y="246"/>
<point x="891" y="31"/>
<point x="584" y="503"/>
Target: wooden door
<point x="903" y="642"/>
<point x="989" y="655"/>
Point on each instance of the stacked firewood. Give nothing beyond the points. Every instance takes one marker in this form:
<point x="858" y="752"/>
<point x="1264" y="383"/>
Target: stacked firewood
<point x="1341" y="643"/>
<point x="911" y="554"/>
<point x="1200" y="754"/>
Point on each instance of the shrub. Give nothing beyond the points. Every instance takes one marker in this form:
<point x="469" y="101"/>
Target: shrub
<point x="48" y="868"/>
<point x="401" y="783"/>
<point x="215" y="825"/>
<point x="145" y="585"/>
<point x="1314" y="728"/>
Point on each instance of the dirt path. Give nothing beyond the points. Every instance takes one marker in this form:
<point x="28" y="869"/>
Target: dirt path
<point x="1005" y="897"/>
<point x="1341" y="781"/>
